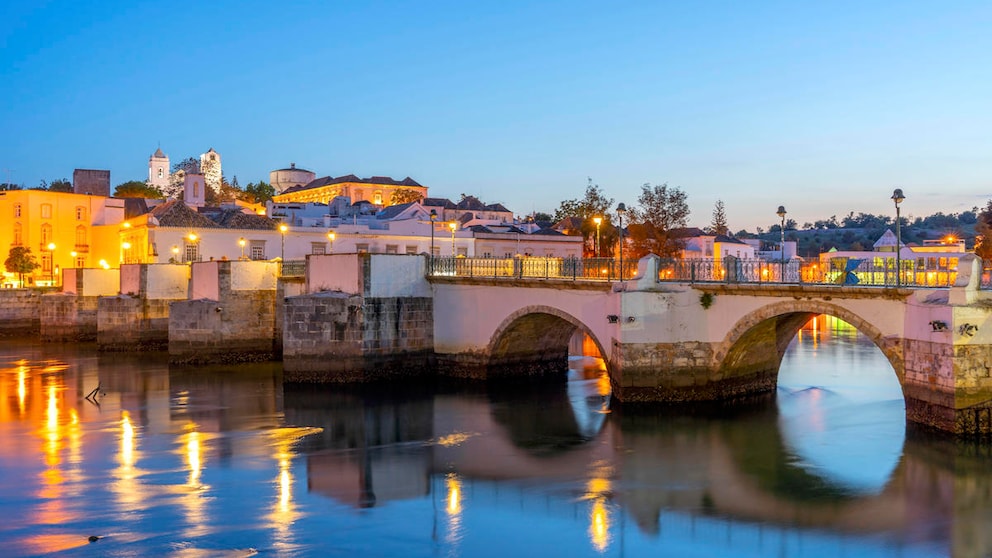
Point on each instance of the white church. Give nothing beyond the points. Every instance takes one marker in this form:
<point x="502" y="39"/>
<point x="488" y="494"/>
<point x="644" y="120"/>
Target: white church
<point x="159" y="175"/>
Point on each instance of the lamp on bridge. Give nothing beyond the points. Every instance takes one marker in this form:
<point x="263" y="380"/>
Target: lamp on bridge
<point x="452" y="225"/>
<point x="598" y="221"/>
<point x="621" y="210"/>
<point x="898" y="197"/>
<point x="433" y="218"/>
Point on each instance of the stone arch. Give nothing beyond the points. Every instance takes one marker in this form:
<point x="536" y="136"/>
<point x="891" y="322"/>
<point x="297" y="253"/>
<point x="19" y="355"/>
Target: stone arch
<point x="534" y="339"/>
<point x="745" y="347"/>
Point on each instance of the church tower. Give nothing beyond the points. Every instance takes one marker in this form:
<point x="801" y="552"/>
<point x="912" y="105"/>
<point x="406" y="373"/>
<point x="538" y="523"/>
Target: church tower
<point x="194" y="191"/>
<point x="210" y="167"/>
<point x="158" y="170"/>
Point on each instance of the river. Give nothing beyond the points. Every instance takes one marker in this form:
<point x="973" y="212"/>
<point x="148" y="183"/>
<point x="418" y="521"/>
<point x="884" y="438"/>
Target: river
<point x="223" y="461"/>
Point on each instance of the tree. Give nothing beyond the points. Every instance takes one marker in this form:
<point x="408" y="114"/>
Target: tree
<point x="594" y="204"/>
<point x="137" y="189"/>
<point x="719" y="223"/>
<point x="664" y="210"/>
<point x="20" y="260"/>
<point x="60" y="185"/>
<point x="405" y="195"/>
<point x="983" y="230"/>
<point x="258" y="193"/>
<point x="189" y="165"/>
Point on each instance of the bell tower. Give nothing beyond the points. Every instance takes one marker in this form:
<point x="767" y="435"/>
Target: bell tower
<point x="158" y="170"/>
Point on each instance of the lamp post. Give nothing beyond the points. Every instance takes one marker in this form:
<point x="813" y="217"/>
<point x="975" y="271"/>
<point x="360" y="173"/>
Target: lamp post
<point x="781" y="214"/>
<point x="75" y="262"/>
<point x="452" y="225"/>
<point x="621" y="210"/>
<point x="241" y="243"/>
<point x="51" y="258"/>
<point x="330" y="238"/>
<point x="898" y="198"/>
<point x="431" y="260"/>
<point x="283" y="227"/>
<point x="192" y="240"/>
<point x="598" y="221"/>
<point x="175" y="254"/>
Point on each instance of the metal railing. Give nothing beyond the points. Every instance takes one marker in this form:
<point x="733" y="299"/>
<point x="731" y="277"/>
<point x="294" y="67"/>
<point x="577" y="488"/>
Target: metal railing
<point x="728" y="270"/>
<point x="591" y="269"/>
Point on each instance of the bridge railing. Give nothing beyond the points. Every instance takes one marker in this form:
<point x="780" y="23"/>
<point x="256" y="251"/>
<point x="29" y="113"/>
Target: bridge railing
<point x="838" y="272"/>
<point x="728" y="270"/>
<point x="590" y="269"/>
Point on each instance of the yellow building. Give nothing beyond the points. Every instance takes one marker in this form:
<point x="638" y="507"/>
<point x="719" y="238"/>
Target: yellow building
<point x="61" y="230"/>
<point x="378" y="190"/>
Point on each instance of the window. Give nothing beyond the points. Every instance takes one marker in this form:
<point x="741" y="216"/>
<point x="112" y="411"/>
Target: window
<point x="46" y="234"/>
<point x="318" y="248"/>
<point x="46" y="211"/>
<point x="377" y="197"/>
<point x="411" y="249"/>
<point x="392" y="249"/>
<point x="362" y="248"/>
<point x="17" y="210"/>
<point x="196" y="189"/>
<point x="435" y="251"/>
<point x="257" y="251"/>
<point x="463" y="251"/>
<point x="358" y="196"/>
<point x="80" y="213"/>
<point x="213" y="157"/>
<point x="18" y="234"/>
<point x="80" y="235"/>
<point x="46" y="263"/>
<point x="160" y="172"/>
<point x="80" y="261"/>
<point x="192" y="253"/>
<point x="487" y="254"/>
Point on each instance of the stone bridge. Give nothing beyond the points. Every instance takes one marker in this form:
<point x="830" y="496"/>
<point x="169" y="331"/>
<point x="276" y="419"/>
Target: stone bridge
<point x="682" y="342"/>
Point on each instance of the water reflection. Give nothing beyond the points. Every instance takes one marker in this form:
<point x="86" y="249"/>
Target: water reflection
<point x="225" y="461"/>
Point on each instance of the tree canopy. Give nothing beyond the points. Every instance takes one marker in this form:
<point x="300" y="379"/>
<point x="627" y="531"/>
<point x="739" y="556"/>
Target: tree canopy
<point x="405" y="195"/>
<point x="662" y="210"/>
<point x="137" y="189"/>
<point x="20" y="260"/>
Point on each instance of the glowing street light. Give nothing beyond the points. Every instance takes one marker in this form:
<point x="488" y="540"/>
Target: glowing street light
<point x="330" y="238"/>
<point x="283" y="227"/>
<point x="452" y="226"/>
<point x="898" y="197"/>
<point x="74" y="255"/>
<point x="433" y="218"/>
<point x="621" y="211"/>
<point x="241" y="243"/>
<point x="598" y="221"/>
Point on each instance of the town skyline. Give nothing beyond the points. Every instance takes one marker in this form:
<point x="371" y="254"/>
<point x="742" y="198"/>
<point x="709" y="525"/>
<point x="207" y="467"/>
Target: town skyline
<point x="824" y="110"/>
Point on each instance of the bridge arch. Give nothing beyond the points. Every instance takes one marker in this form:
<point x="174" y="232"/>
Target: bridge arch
<point x="533" y="340"/>
<point x="775" y="325"/>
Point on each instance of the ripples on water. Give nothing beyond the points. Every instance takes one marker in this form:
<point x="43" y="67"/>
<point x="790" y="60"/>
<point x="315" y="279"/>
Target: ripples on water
<point x="222" y="461"/>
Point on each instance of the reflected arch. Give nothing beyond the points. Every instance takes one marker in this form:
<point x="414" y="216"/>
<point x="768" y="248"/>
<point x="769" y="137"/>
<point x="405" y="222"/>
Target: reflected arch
<point x="533" y="341"/>
<point x="745" y="349"/>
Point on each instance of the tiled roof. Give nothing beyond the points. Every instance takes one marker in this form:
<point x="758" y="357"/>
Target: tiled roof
<point x="727" y="239"/>
<point x="393" y="210"/>
<point x="437" y="202"/>
<point x="237" y="219"/>
<point x="471" y="203"/>
<point x="158" y="154"/>
<point x="175" y="213"/>
<point x="548" y="232"/>
<point x="134" y="207"/>
<point x="497" y="207"/>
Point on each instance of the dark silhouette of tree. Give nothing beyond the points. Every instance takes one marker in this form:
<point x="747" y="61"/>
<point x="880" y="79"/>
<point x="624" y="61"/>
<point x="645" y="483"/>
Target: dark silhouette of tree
<point x="137" y="189"/>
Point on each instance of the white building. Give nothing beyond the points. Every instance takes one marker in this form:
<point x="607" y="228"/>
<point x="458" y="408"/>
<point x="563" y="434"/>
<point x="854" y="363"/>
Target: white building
<point x="210" y="168"/>
<point x="283" y="179"/>
<point x="158" y="170"/>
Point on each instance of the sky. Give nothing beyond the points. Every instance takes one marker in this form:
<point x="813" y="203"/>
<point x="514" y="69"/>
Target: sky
<point x="824" y="107"/>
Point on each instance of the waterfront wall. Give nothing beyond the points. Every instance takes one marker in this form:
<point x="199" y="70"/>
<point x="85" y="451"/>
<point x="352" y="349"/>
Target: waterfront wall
<point x="71" y="315"/>
<point x="362" y="317"/>
<point x="234" y="317"/>
<point x="20" y="312"/>
<point x="138" y="318"/>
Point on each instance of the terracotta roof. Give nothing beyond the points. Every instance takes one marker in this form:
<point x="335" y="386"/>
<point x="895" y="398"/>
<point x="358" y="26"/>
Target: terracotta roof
<point x="175" y="213"/>
<point x="497" y="207"/>
<point x="437" y="202"/>
<point x="393" y="210"/>
<point x="237" y="219"/>
<point x="158" y="154"/>
<point x="471" y="203"/>
<point x="548" y="232"/>
<point x="134" y="207"/>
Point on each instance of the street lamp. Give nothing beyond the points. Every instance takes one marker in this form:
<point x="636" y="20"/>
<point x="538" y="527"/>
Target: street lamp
<point x="452" y="225"/>
<point x="621" y="210"/>
<point x="175" y="254"/>
<point x="330" y="237"/>
<point x="51" y="257"/>
<point x="598" y="221"/>
<point x="781" y="214"/>
<point x="898" y="198"/>
<point x="241" y="243"/>
<point x="433" y="218"/>
<point x="74" y="255"/>
<point x="283" y="227"/>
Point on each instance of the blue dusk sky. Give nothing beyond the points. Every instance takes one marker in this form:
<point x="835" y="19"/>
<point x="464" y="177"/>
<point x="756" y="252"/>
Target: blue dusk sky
<point x="821" y="107"/>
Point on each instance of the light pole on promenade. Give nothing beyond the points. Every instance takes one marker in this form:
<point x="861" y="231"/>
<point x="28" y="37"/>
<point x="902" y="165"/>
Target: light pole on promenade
<point x="621" y="211"/>
<point x="898" y="198"/>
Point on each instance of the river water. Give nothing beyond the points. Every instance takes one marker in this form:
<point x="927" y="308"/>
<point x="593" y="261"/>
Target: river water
<point x="223" y="461"/>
